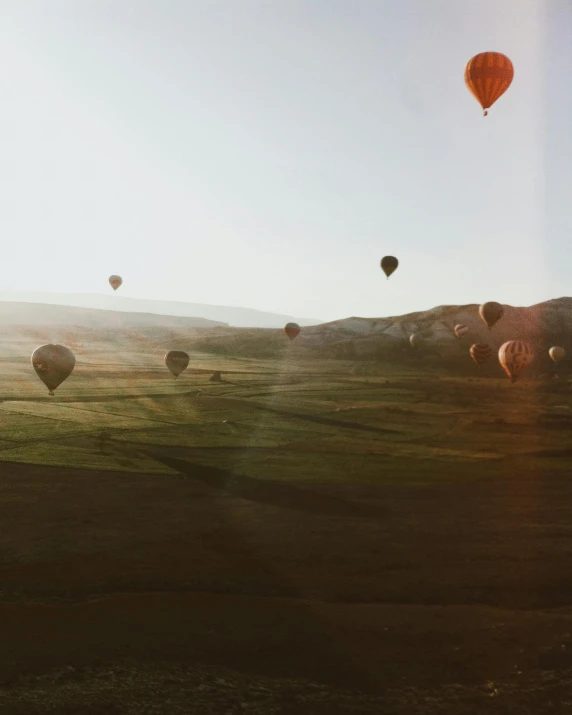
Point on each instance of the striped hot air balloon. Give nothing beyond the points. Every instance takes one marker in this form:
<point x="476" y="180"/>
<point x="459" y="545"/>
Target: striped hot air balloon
<point x="480" y="352"/>
<point x="460" y="330"/>
<point x="488" y="75"/>
<point x="514" y="357"/>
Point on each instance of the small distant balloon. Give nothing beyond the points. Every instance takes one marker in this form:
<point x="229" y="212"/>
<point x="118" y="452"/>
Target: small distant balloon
<point x="488" y="75"/>
<point x="514" y="357"/>
<point x="460" y="330"/>
<point x="292" y="330"/>
<point x="480" y="352"/>
<point x="389" y="265"/>
<point x="557" y="354"/>
<point x="177" y="361"/>
<point x="115" y="281"/>
<point x="491" y="313"/>
<point x="414" y="339"/>
<point x="53" y="364"/>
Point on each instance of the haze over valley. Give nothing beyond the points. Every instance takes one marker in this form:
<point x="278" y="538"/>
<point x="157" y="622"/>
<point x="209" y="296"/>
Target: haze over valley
<point x="235" y="316"/>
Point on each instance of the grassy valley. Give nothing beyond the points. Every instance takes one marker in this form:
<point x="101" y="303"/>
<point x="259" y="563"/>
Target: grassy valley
<point x="336" y="534"/>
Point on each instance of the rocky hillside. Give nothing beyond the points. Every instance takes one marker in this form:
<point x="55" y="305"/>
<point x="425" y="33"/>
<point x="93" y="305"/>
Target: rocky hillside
<point x="549" y="322"/>
<point x="387" y="339"/>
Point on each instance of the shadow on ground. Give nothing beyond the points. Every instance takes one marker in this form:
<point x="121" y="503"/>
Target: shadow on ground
<point x="271" y="493"/>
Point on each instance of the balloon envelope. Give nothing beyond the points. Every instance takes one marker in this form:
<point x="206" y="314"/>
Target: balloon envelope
<point x="480" y="352"/>
<point x="557" y="353"/>
<point x="115" y="281"/>
<point x="292" y="330"/>
<point x="460" y="330"/>
<point x="414" y="339"/>
<point x="53" y="364"/>
<point x="488" y="75"/>
<point x="514" y="357"/>
<point x="177" y="361"/>
<point x="389" y="264"/>
<point x="491" y="313"/>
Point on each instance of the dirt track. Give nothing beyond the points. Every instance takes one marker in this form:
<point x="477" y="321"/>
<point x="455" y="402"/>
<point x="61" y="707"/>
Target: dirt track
<point x="408" y="588"/>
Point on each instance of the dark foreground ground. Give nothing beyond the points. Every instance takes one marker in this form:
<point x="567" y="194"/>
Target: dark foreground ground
<point x="128" y="593"/>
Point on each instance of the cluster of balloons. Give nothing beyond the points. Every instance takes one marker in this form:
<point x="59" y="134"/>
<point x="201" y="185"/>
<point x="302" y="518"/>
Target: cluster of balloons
<point x="488" y="75"/>
<point x="514" y="355"/>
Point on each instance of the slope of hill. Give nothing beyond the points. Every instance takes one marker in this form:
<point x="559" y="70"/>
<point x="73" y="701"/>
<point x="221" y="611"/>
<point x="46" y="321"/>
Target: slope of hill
<point x="548" y="322"/>
<point x="39" y="314"/>
<point x="24" y="326"/>
<point x="387" y="339"/>
<point x="236" y="316"/>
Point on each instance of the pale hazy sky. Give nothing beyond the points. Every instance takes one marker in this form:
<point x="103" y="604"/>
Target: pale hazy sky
<point x="268" y="153"/>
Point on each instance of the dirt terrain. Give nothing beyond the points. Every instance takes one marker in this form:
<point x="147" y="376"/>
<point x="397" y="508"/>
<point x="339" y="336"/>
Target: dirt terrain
<point x="151" y="593"/>
<point x="294" y="539"/>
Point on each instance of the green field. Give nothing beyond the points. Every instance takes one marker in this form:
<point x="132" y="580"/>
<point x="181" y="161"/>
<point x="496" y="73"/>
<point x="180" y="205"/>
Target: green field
<point x="311" y="537"/>
<point x="285" y="420"/>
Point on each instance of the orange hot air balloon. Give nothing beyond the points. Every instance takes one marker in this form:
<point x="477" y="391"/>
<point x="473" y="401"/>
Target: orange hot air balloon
<point x="292" y="330"/>
<point x="514" y="357"/>
<point x="488" y="75"/>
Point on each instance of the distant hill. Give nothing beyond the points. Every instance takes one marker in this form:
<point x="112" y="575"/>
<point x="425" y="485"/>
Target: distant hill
<point x="237" y="317"/>
<point x="40" y="314"/>
<point x="372" y="340"/>
<point x="540" y="324"/>
<point x="24" y="326"/>
<point x="387" y="339"/>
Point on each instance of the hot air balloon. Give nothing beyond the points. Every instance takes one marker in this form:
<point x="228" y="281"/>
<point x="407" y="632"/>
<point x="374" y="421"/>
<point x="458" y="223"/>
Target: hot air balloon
<point x="115" y="281"/>
<point x="480" y="352"/>
<point x="414" y="339"/>
<point x="389" y="264"/>
<point x="514" y="357"/>
<point x="488" y="76"/>
<point x="491" y="313"/>
<point x="460" y="330"/>
<point x="177" y="361"/>
<point x="557" y="353"/>
<point x="53" y="364"/>
<point x="292" y="330"/>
